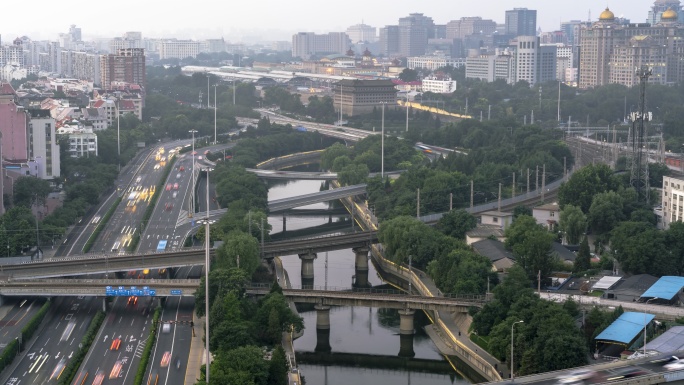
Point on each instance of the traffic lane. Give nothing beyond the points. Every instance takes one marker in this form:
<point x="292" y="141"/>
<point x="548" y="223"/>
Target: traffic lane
<point x="54" y="348"/>
<point x="163" y="357"/>
<point x="22" y="311"/>
<point x="130" y="324"/>
<point x="182" y="340"/>
<point x="613" y="373"/>
<point x="164" y="218"/>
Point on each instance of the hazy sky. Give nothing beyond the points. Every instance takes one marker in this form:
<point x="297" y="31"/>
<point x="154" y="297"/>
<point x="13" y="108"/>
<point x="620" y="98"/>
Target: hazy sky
<point x="273" y="19"/>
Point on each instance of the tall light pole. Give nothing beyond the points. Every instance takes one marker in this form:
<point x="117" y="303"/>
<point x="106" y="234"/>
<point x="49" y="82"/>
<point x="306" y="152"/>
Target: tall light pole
<point x="512" y="367"/>
<point x="118" y="140"/>
<point x="382" y="143"/>
<point x="407" y="110"/>
<point x="192" y="178"/>
<point x="652" y="299"/>
<point x="233" y="91"/>
<point x="215" y="113"/>
<point x="207" y="237"/>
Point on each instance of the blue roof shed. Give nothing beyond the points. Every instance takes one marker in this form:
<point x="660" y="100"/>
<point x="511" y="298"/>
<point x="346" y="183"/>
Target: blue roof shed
<point x="665" y="288"/>
<point x="626" y="328"/>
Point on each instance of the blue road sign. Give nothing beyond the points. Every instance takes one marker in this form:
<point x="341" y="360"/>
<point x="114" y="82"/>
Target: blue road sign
<point x="176" y="292"/>
<point x="108" y="288"/>
<point x="153" y="292"/>
<point x="146" y="288"/>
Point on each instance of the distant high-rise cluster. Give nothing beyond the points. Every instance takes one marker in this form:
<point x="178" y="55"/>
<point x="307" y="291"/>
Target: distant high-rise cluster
<point x="610" y="51"/>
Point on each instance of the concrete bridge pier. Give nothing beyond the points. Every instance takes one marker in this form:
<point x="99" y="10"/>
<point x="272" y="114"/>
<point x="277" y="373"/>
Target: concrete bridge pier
<point x="406" y="346"/>
<point x="322" y="317"/>
<point x="361" y="261"/>
<point x="308" y="265"/>
<point x="284" y="223"/>
<point x="406" y="321"/>
<point x="104" y="304"/>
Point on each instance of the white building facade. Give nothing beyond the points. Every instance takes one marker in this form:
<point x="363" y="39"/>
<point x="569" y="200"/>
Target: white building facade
<point x="673" y="200"/>
<point x="43" y="146"/>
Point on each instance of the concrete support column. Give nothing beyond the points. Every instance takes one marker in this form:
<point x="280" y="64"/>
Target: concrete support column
<point x="308" y="265"/>
<point x="361" y="260"/>
<point x="104" y="304"/>
<point x="323" y="341"/>
<point x="406" y="321"/>
<point x="323" y="317"/>
<point x="284" y="223"/>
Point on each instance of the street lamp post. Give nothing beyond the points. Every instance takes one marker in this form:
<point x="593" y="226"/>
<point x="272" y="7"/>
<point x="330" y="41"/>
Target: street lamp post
<point x="215" y="113"/>
<point x="207" y="238"/>
<point x="652" y="299"/>
<point x="382" y="143"/>
<point x="192" y="177"/>
<point x="512" y="366"/>
<point x="118" y="137"/>
<point x="407" y="110"/>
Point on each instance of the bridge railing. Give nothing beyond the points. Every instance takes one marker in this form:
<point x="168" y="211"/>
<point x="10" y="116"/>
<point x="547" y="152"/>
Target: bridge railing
<point x="476" y="298"/>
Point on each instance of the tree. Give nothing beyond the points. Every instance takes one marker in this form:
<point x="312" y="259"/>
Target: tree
<point x="408" y="75"/>
<point x="239" y="250"/>
<point x="605" y="211"/>
<point x="277" y="371"/>
<point x="331" y="153"/>
<point x="353" y="174"/>
<point x="531" y="245"/>
<point x="640" y="248"/>
<point x="521" y="210"/>
<point x="583" y="260"/>
<point x="456" y="223"/>
<point x="29" y="190"/>
<point x="580" y="189"/>
<point x="573" y="223"/>
<point x="674" y="239"/>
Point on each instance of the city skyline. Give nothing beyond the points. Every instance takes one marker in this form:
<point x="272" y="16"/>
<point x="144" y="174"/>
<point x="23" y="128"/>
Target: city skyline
<point x="270" y="20"/>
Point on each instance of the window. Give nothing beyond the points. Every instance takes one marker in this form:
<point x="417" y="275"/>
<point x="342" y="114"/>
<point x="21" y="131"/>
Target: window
<point x="495" y="219"/>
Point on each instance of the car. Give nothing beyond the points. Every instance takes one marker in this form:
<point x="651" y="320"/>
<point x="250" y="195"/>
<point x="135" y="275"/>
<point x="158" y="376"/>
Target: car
<point x="166" y="358"/>
<point x="59" y="368"/>
<point x="169" y="206"/>
<point x="178" y="175"/>
<point x="156" y="166"/>
<point x="576" y="376"/>
<point x="116" y="342"/>
<point x="175" y="194"/>
<point x="628" y="372"/>
<point x="81" y="379"/>
<point x="175" y="186"/>
<point x="178" y="363"/>
<point x="664" y="359"/>
<point x="166" y="328"/>
<point x="99" y="377"/>
<point x="132" y="300"/>
<point x="153" y="379"/>
<point x="168" y="187"/>
<point x="116" y="370"/>
<point x="181" y="168"/>
<point x="675" y="365"/>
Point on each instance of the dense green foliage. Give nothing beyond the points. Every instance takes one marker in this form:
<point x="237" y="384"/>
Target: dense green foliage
<point x="547" y="340"/>
<point x="34" y="323"/>
<point x="145" y="357"/>
<point x="531" y="245"/>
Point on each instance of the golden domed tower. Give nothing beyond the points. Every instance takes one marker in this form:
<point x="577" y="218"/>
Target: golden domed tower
<point x="607" y="15"/>
<point x="669" y="16"/>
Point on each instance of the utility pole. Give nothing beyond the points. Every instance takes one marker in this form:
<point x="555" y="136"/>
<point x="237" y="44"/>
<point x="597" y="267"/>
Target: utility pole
<point x="565" y="167"/>
<point x="471" y="193"/>
<point x="543" y="182"/>
<point x="451" y="201"/>
<point x="410" y="273"/>
<point x="262" y="238"/>
<point x="489" y="112"/>
<point x="513" y="187"/>
<point x="536" y="180"/>
<point x="528" y="180"/>
<point x="499" y="200"/>
<point x="418" y="205"/>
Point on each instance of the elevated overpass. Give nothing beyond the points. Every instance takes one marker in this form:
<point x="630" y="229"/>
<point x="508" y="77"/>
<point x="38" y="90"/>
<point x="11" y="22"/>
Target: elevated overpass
<point x="98" y="263"/>
<point x="96" y="287"/>
<point x="280" y="205"/>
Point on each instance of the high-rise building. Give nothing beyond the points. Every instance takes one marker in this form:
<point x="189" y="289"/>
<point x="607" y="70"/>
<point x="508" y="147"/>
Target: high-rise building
<point x="127" y="65"/>
<point x="43" y="145"/>
<point x="414" y="32"/>
<point x="13" y="125"/>
<point x="459" y="29"/>
<point x="389" y="40"/>
<point x="534" y="63"/>
<point x="521" y="22"/>
<point x="661" y="6"/>
<point x="362" y="33"/>
<point x="610" y="51"/>
<point x="75" y="33"/>
<point x="178" y="49"/>
<point x="307" y="44"/>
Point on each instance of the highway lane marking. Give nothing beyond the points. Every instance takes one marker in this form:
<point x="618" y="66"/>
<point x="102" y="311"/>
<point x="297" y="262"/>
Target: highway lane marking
<point x="46" y="342"/>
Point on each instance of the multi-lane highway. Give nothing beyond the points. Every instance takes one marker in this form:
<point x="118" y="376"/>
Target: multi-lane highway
<point x="45" y="358"/>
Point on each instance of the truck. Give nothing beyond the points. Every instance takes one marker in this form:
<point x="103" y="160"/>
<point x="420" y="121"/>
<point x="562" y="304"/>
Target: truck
<point x="301" y="128"/>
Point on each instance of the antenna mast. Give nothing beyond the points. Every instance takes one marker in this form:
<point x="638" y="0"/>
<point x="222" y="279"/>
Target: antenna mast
<point x="639" y="176"/>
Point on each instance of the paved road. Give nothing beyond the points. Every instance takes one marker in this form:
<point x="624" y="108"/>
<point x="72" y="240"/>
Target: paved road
<point x="54" y="347"/>
<point x="19" y="313"/>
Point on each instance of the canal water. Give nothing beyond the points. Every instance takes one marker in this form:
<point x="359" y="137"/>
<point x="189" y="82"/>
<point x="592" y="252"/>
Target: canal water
<point x="364" y="343"/>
